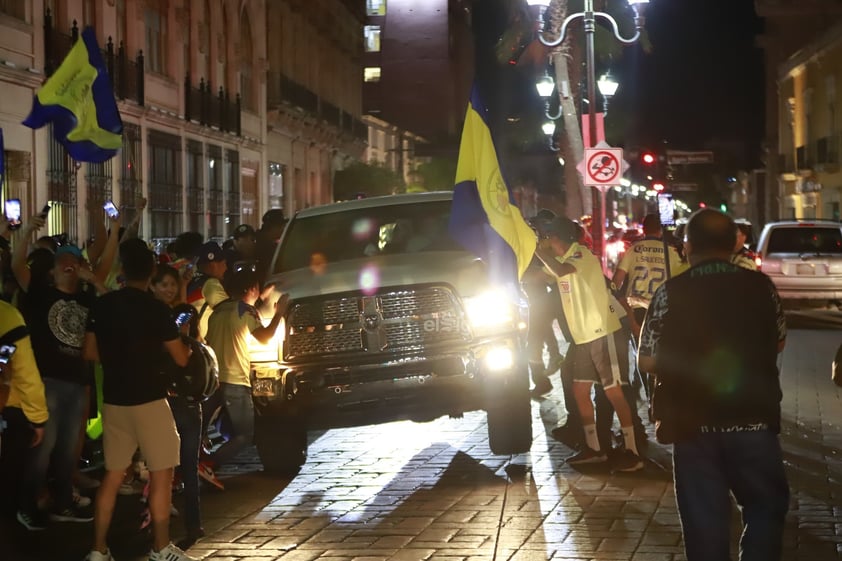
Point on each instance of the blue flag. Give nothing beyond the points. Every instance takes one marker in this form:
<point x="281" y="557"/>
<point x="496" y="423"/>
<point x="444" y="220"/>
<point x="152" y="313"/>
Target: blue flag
<point x="484" y="218"/>
<point x="79" y="102"/>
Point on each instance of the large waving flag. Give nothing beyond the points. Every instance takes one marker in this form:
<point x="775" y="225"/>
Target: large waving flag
<point x="79" y="101"/>
<point x="484" y="217"/>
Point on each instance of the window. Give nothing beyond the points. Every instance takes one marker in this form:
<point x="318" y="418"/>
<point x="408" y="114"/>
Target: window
<point x="62" y="171"/>
<point x="371" y="74"/>
<point x="372" y="38"/>
<point x="14" y="8"/>
<point x="276" y="185"/>
<point x="195" y="187"/>
<point x="89" y="13"/>
<point x="805" y="240"/>
<point x="156" y="36"/>
<point x="165" y="189"/>
<point x="99" y="179"/>
<point x="247" y="53"/>
<point x="375" y="7"/>
<point x="131" y="176"/>
<point x="232" y="168"/>
<point x="216" y="229"/>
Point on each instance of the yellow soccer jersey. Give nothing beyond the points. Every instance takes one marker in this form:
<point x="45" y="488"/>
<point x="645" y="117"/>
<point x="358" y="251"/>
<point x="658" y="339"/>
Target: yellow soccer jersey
<point x="646" y="270"/>
<point x="585" y="297"/>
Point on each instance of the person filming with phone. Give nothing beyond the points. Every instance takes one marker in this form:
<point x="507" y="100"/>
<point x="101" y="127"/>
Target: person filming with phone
<point x="56" y="307"/>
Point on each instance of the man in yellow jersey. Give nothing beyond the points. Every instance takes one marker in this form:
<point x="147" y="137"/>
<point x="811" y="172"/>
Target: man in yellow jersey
<point x="599" y="355"/>
<point x="643" y="269"/>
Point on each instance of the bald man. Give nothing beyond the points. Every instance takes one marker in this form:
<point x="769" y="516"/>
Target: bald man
<point x="711" y="337"/>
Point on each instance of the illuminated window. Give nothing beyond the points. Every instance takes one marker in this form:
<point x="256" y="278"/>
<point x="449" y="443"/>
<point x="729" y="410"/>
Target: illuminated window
<point x="371" y="74"/>
<point x="372" y="38"/>
<point x="376" y="7"/>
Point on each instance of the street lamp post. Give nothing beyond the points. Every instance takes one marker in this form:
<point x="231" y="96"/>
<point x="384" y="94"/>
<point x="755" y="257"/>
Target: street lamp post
<point x="589" y="18"/>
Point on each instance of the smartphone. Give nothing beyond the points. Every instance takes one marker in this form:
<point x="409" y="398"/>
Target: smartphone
<point x="6" y="352"/>
<point x="45" y="211"/>
<point x="111" y="210"/>
<point x="183" y="318"/>
<point x="12" y="210"/>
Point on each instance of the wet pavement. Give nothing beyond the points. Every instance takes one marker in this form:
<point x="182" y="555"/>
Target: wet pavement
<point x="411" y="492"/>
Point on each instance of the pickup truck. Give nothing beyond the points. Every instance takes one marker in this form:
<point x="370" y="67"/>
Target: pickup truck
<point x="388" y="319"/>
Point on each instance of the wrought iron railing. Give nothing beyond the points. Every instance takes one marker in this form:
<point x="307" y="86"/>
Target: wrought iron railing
<point x="218" y="110"/>
<point x="127" y="75"/>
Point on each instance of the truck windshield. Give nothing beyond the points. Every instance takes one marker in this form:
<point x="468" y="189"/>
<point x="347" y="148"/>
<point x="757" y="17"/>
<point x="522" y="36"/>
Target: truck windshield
<point x="366" y="232"/>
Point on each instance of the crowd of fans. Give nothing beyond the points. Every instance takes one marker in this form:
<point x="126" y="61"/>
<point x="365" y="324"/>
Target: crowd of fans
<point x="96" y="331"/>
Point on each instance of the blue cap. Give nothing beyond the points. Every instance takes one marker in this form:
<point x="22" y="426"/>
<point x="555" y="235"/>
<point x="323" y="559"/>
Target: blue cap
<point x="69" y="250"/>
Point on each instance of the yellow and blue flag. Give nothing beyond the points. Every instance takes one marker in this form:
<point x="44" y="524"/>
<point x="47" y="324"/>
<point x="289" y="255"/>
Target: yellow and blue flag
<point x="79" y="101"/>
<point x="484" y="218"/>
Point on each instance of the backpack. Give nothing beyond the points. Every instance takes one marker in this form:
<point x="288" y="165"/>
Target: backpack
<point x="199" y="379"/>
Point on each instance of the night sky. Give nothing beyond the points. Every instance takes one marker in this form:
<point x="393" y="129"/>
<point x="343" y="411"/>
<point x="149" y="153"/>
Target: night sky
<point x="702" y="81"/>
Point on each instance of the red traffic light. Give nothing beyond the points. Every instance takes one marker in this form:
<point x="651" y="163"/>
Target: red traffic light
<point x="658" y="187"/>
<point x="648" y="158"/>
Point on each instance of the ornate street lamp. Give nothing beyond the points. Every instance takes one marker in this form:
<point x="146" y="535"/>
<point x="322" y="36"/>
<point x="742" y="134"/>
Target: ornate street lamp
<point x="589" y="17"/>
<point x="607" y="88"/>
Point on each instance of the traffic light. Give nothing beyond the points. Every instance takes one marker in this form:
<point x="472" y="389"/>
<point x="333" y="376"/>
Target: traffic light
<point x="648" y="158"/>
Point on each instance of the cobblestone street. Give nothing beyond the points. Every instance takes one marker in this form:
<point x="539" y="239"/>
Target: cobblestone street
<point x="410" y="492"/>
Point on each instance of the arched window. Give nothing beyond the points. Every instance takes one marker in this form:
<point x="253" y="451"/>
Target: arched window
<point x="155" y="20"/>
<point x="247" y="90"/>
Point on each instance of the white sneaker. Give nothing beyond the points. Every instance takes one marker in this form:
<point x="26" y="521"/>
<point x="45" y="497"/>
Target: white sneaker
<point x="132" y="488"/>
<point x="97" y="556"/>
<point x="80" y="501"/>
<point x="170" y="553"/>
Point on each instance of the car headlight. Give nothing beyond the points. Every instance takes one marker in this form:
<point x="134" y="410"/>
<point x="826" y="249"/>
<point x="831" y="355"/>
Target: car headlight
<point x="272" y="350"/>
<point x="490" y="309"/>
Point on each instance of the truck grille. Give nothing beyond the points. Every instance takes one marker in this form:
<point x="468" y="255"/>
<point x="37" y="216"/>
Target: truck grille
<point x="388" y="321"/>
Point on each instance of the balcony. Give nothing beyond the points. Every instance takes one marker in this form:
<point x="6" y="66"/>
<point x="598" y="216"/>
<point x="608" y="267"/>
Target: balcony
<point x="217" y="111"/>
<point x="127" y="75"/>
<point x="282" y="91"/>
<point x="827" y="154"/>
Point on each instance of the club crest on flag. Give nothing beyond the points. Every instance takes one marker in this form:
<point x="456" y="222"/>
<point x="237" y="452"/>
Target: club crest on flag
<point x="484" y="218"/>
<point x="78" y="100"/>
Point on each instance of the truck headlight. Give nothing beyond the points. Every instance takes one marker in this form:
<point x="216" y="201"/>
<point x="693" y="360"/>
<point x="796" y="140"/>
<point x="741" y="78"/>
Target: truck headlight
<point x="272" y="350"/>
<point x="489" y="309"/>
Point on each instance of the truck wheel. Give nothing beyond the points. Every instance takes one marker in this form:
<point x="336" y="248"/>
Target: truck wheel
<point x="510" y="418"/>
<point x="282" y="446"/>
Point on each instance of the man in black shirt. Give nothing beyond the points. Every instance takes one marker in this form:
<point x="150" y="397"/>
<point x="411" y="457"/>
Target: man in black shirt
<point x="129" y="331"/>
<point x="55" y="307"/>
<point x="711" y="337"/>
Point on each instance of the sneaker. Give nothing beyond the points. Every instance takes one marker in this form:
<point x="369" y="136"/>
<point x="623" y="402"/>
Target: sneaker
<point x="97" y="556"/>
<point x="587" y="456"/>
<point x="170" y="553"/>
<point x="206" y="473"/>
<point x="542" y="386"/>
<point x="130" y="488"/>
<point x="32" y="521"/>
<point x="567" y="434"/>
<point x="628" y="461"/>
<point x="79" y="500"/>
<point x="70" y="515"/>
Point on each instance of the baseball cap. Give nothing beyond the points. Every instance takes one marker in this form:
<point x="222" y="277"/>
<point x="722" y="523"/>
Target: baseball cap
<point x="563" y="228"/>
<point x="69" y="250"/>
<point x="243" y="230"/>
<point x="210" y="252"/>
<point x="274" y="216"/>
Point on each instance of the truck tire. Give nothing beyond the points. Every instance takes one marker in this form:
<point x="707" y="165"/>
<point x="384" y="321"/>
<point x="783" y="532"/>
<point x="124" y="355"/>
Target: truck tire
<point x="281" y="445"/>
<point x="509" y="418"/>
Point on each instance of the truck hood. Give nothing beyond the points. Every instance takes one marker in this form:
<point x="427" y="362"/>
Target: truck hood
<point x="461" y="270"/>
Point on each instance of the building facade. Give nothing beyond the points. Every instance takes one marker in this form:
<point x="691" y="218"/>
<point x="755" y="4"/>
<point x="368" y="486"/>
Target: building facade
<point x="418" y="55"/>
<point x="789" y="25"/>
<point x="221" y="124"/>
<point x="810" y="177"/>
